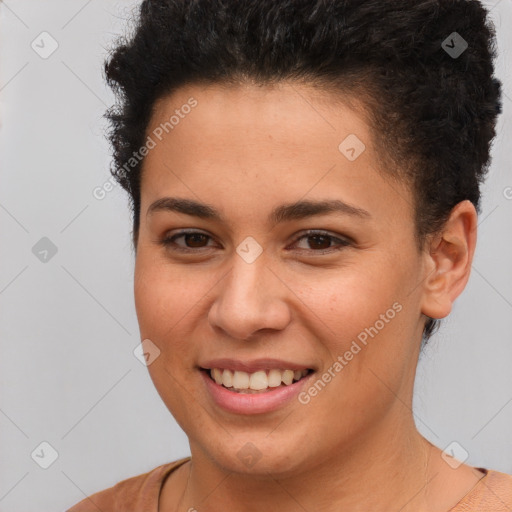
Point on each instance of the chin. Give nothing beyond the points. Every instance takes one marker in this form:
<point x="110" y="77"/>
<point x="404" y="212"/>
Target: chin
<point x="260" y="454"/>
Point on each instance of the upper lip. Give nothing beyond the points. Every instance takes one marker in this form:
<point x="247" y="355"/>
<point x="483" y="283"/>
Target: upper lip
<point x="253" y="365"/>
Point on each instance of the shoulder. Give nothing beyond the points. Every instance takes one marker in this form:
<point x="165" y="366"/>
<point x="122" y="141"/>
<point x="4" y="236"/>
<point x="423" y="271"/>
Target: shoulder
<point x="492" y="493"/>
<point x="139" y="492"/>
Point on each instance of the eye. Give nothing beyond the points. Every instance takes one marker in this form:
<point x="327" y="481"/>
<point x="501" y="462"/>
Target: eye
<point x="193" y="240"/>
<point x="320" y="242"/>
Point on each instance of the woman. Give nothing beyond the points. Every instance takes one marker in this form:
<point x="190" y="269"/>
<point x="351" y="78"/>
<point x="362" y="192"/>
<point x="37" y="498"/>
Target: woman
<point x="304" y="177"/>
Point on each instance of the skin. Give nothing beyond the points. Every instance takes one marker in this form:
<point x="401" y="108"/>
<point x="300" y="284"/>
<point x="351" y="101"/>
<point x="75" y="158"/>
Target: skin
<point x="354" y="447"/>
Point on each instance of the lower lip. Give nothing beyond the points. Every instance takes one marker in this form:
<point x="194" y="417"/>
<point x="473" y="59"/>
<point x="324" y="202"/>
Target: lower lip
<point x="252" y="403"/>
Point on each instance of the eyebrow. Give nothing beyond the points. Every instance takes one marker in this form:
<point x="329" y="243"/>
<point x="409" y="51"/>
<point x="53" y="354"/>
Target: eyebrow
<point x="282" y="213"/>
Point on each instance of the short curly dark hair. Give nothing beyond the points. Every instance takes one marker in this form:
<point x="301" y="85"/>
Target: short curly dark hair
<point x="432" y="112"/>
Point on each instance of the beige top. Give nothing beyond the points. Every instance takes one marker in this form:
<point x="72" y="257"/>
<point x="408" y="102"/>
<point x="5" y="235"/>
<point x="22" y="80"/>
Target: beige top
<point x="492" y="493"/>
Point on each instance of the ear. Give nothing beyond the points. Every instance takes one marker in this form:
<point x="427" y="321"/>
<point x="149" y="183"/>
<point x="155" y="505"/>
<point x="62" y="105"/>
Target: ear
<point x="449" y="256"/>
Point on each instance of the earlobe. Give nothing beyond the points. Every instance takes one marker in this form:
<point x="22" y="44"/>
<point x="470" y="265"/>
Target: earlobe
<point x="448" y="261"/>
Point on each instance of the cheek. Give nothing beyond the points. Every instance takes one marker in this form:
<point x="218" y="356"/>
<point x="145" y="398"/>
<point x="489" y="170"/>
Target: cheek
<point x="164" y="295"/>
<point x="163" y="299"/>
<point x="366" y="318"/>
<point x="367" y="358"/>
<point x="349" y="300"/>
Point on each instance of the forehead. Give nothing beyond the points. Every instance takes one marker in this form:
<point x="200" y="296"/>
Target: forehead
<point x="257" y="143"/>
<point x="291" y="113"/>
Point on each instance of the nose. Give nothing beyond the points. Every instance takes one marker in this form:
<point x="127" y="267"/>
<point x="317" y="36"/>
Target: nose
<point x="249" y="298"/>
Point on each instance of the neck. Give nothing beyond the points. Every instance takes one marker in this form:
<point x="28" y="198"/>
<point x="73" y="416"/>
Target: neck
<point x="387" y="470"/>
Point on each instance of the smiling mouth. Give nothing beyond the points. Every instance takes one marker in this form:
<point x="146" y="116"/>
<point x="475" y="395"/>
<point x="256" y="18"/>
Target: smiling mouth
<point x="261" y="381"/>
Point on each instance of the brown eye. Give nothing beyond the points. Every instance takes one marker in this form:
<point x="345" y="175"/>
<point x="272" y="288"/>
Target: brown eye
<point x="320" y="242"/>
<point x="192" y="240"/>
<point x="195" y="239"/>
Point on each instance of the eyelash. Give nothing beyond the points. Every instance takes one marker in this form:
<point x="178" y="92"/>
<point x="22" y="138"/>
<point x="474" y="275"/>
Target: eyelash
<point x="169" y="242"/>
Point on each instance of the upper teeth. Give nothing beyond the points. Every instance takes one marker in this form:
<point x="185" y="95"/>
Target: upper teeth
<point x="258" y="380"/>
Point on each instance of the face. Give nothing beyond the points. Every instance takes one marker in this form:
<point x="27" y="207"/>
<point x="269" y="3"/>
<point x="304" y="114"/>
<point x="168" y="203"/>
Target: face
<point x="241" y="265"/>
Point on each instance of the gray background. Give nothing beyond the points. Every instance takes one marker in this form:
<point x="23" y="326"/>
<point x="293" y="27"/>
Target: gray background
<point x="68" y="328"/>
